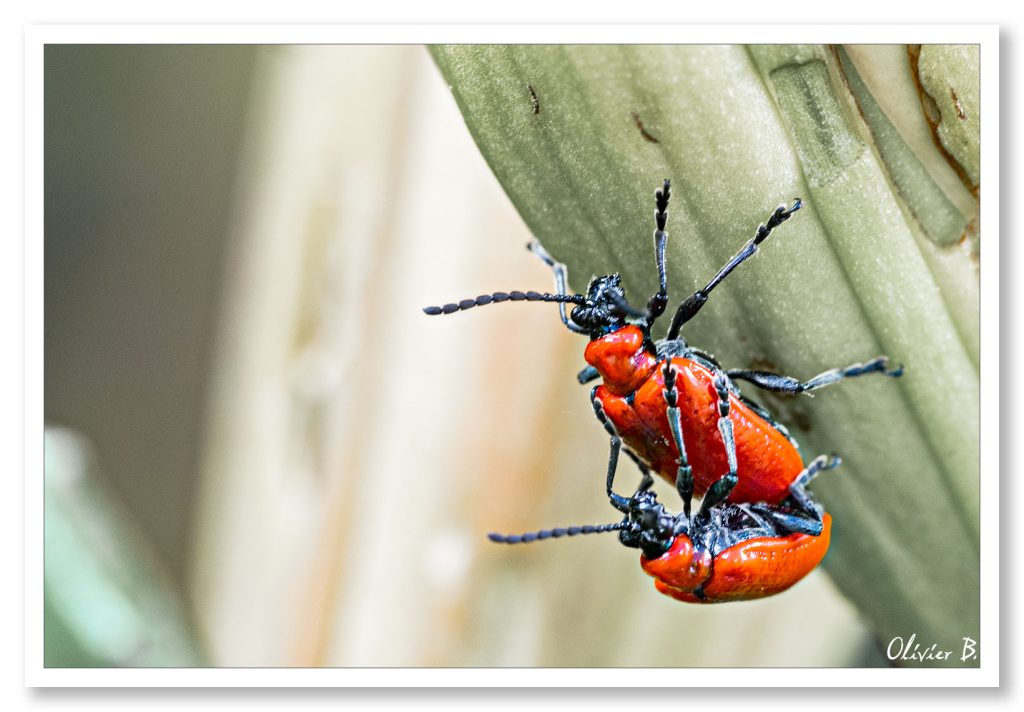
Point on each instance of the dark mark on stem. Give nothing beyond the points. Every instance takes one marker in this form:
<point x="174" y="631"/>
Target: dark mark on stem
<point x="534" y="100"/>
<point x="956" y="103"/>
<point x="643" y="131"/>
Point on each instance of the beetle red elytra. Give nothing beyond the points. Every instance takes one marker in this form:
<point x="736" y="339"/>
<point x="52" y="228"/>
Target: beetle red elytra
<point x="676" y="410"/>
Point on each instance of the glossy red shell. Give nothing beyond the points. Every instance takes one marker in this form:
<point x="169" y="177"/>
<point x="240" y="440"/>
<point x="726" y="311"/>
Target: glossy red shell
<point x="767" y="462"/>
<point x="755" y="568"/>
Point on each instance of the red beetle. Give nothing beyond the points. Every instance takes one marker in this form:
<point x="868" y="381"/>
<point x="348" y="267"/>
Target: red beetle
<point x="761" y="563"/>
<point x="725" y="552"/>
<point x="672" y="405"/>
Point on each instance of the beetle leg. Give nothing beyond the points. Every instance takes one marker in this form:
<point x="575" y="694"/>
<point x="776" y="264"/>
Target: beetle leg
<point x="724" y="422"/>
<point x="790" y="521"/>
<point x="717" y="493"/>
<point x="755" y="512"/>
<point x="721" y="488"/>
<point x="646" y="481"/>
<point x="561" y="279"/>
<point x="798" y="490"/>
<point x="618" y="501"/>
<point x="689" y="308"/>
<point x="684" y="473"/>
<point x="657" y="303"/>
<point x="615" y="444"/>
<point x="587" y="375"/>
<point x="787" y="384"/>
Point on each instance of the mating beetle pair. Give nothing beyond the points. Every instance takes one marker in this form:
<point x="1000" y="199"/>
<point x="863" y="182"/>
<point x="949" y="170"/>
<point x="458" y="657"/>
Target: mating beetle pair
<point x="680" y="415"/>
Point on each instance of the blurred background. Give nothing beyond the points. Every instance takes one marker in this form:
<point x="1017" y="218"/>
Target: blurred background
<point x="260" y="452"/>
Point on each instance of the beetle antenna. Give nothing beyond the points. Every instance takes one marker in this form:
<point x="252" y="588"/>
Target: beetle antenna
<point x="555" y="533"/>
<point x="497" y="297"/>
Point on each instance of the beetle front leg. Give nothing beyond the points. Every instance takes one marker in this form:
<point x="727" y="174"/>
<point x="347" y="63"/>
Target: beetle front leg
<point x="618" y="501"/>
<point x="561" y="281"/>
<point x="646" y="481"/>
<point x="689" y="308"/>
<point x="615" y="444"/>
<point x="657" y="303"/>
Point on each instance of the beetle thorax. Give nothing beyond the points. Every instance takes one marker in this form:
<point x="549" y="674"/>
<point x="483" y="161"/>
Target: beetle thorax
<point x="684" y="566"/>
<point x="622" y="359"/>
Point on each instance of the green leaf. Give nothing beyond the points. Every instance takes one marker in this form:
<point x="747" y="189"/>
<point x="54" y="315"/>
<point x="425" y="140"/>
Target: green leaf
<point x="580" y="137"/>
<point x="108" y="599"/>
<point x="945" y="209"/>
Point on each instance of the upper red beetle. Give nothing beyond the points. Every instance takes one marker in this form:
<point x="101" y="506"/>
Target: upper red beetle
<point x="672" y="405"/>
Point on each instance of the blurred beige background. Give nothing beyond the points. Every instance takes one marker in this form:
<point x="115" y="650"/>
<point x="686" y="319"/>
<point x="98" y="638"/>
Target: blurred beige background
<point x="238" y="244"/>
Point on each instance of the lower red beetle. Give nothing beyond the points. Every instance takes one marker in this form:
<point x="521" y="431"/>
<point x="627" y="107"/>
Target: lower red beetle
<point x="741" y="552"/>
<point x="724" y="552"/>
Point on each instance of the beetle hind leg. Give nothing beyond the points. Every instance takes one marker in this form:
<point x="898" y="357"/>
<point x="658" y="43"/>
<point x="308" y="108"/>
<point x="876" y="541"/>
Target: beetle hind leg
<point x="789" y="521"/>
<point x="720" y="490"/>
<point x="787" y="384"/>
<point x="684" y="473"/>
<point x="724" y="422"/>
<point x="798" y="489"/>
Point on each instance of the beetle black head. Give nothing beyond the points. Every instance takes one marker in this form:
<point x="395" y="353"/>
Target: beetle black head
<point x="649" y="526"/>
<point x="605" y="307"/>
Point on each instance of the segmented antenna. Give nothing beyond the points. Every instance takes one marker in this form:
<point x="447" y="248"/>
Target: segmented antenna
<point x="555" y="533"/>
<point x="497" y="297"/>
